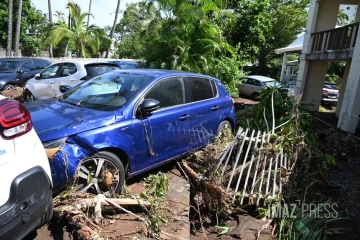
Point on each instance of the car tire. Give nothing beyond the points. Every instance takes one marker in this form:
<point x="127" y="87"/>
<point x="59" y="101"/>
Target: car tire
<point x="223" y="128"/>
<point x="8" y="87"/>
<point x="28" y="96"/>
<point x="116" y="166"/>
<point x="255" y="96"/>
<point x="47" y="215"/>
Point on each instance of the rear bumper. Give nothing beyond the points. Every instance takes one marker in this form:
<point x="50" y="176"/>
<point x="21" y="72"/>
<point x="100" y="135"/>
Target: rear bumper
<point x="30" y="198"/>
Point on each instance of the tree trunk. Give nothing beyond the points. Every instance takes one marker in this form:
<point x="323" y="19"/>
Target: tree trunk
<point x="10" y="27"/>
<point x="114" y="26"/>
<point x="18" y="28"/>
<point x="51" y="21"/>
<point x="88" y="20"/>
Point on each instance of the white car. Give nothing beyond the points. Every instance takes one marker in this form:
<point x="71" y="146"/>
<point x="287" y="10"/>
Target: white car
<point x="253" y="84"/>
<point x="25" y="178"/>
<point x="46" y="84"/>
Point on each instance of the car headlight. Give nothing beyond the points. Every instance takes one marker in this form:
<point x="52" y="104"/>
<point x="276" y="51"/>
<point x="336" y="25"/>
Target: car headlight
<point x="57" y="143"/>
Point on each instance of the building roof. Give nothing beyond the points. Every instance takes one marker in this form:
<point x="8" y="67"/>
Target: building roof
<point x="294" y="47"/>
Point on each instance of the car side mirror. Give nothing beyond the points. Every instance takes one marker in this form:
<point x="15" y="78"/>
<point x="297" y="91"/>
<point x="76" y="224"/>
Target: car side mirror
<point x="64" y="88"/>
<point x="37" y="76"/>
<point x="20" y="71"/>
<point x="149" y="105"/>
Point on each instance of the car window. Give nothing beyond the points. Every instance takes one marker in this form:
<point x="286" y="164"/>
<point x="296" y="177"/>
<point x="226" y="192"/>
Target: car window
<point x="27" y="67"/>
<point x="251" y="81"/>
<point x="200" y="89"/>
<point x="169" y="92"/>
<point x="330" y="86"/>
<point x="50" y="72"/>
<point x="107" y="92"/>
<point x="271" y="83"/>
<point x="244" y="80"/>
<point x="94" y="70"/>
<point x="214" y="88"/>
<point x="127" y="66"/>
<point x="68" y="69"/>
<point x="8" y="66"/>
<point x="39" y="64"/>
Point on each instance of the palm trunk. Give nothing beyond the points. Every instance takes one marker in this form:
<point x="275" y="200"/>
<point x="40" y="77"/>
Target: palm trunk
<point x="88" y="19"/>
<point x="114" y="26"/>
<point x="10" y="27"/>
<point x="51" y="21"/>
<point x="18" y="26"/>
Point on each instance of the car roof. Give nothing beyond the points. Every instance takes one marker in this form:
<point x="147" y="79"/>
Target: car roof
<point x="261" y="78"/>
<point x="126" y="62"/>
<point x="162" y="72"/>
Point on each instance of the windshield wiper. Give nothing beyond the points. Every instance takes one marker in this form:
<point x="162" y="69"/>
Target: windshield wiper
<point x="71" y="103"/>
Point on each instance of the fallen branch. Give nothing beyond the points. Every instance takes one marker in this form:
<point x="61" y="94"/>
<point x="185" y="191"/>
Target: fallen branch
<point x="216" y="189"/>
<point x="90" y="203"/>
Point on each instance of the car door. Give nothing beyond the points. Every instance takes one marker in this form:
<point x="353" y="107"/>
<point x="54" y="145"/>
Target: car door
<point x="165" y="133"/>
<point x="25" y="72"/>
<point x="69" y="75"/>
<point x="244" y="86"/>
<point x="205" y="106"/>
<point x="44" y="87"/>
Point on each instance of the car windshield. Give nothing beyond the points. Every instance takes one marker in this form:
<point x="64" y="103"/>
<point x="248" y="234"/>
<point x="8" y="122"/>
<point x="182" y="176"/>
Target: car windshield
<point x="8" y="66"/>
<point x="107" y="92"/>
<point x="270" y="83"/>
<point x="330" y="86"/>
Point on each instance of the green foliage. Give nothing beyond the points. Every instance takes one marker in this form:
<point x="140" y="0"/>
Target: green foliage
<point x="31" y="46"/>
<point x="311" y="224"/>
<point x="156" y="188"/>
<point x="331" y="78"/>
<point x="342" y="18"/>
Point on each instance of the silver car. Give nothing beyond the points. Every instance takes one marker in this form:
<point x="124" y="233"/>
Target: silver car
<point x="252" y="85"/>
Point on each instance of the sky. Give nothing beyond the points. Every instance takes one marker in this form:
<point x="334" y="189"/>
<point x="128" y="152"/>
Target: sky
<point x="103" y="10"/>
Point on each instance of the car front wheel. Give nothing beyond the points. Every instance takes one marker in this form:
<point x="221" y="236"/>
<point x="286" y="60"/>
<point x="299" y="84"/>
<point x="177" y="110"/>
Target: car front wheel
<point x="224" y="129"/>
<point x="101" y="173"/>
<point x="28" y="97"/>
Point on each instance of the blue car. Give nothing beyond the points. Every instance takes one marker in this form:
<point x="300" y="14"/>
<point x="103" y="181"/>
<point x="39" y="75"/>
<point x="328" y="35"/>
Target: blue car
<point x="126" y="122"/>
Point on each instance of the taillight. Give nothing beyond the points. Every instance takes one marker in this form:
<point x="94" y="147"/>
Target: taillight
<point x="233" y="102"/>
<point x="15" y="119"/>
<point x="325" y="91"/>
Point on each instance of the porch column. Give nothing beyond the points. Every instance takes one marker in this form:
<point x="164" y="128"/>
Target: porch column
<point x="303" y="66"/>
<point x="343" y="82"/>
<point x="314" y="83"/>
<point x="283" y="67"/>
<point x="350" y="107"/>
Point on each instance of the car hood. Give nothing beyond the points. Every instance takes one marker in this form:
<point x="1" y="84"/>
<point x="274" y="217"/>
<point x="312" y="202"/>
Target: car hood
<point x="53" y="119"/>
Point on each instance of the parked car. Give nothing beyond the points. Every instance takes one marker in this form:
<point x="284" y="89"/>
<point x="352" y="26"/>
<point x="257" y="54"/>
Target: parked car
<point x="16" y="71"/>
<point x="330" y="93"/>
<point x="252" y="85"/>
<point x="126" y="122"/>
<point x="46" y="84"/>
<point x="26" y="185"/>
<point x="126" y="64"/>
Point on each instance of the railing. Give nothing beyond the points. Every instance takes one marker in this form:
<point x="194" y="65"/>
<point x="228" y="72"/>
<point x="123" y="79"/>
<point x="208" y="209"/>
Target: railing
<point x="338" y="39"/>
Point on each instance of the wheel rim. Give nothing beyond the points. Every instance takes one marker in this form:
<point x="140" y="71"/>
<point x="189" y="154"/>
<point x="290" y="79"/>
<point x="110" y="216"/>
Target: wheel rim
<point x="29" y="97"/>
<point x="98" y="176"/>
<point x="224" y="130"/>
<point x="9" y="87"/>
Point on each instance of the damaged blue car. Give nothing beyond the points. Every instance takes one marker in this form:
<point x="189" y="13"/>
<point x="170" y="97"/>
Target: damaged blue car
<point x="126" y="122"/>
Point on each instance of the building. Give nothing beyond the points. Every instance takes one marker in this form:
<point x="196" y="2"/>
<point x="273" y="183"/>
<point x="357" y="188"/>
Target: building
<point x="324" y="43"/>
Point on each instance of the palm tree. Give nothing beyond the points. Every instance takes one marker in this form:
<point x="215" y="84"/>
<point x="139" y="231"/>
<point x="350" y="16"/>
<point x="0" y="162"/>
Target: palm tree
<point x="60" y="16"/>
<point x="10" y="27"/>
<point x="51" y="22"/>
<point x="88" y="19"/>
<point x="18" y="26"/>
<point x="114" y="26"/>
<point x="83" y="37"/>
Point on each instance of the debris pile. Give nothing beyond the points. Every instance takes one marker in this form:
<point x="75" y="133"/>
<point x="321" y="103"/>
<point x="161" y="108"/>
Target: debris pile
<point x="16" y="94"/>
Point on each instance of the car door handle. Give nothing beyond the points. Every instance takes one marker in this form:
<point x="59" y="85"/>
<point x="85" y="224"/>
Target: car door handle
<point x="214" y="108"/>
<point x="72" y="80"/>
<point x="51" y="82"/>
<point x="184" y="117"/>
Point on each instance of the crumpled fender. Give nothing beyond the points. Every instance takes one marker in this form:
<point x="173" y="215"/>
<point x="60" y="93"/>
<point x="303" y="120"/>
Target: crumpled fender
<point x="65" y="162"/>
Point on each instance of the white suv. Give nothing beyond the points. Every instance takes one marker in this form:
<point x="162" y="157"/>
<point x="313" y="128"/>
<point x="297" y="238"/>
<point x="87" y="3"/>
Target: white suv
<point x="25" y="178"/>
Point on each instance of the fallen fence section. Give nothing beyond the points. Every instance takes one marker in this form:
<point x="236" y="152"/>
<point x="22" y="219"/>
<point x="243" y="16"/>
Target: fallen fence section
<point x="249" y="167"/>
